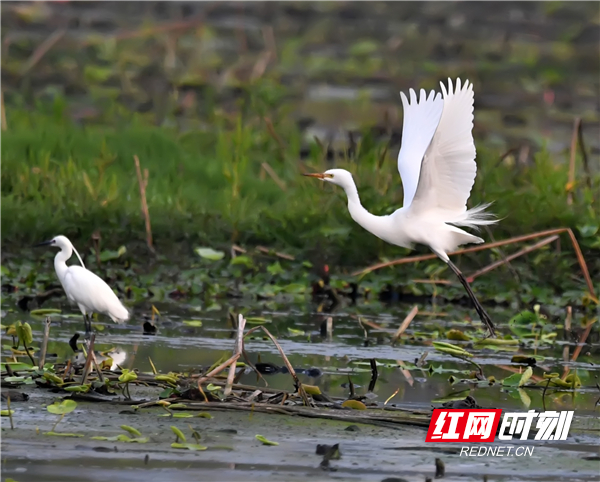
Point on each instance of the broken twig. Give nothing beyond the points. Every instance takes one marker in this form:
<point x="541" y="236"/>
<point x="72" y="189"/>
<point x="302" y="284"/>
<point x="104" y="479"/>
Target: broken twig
<point x="411" y="315"/>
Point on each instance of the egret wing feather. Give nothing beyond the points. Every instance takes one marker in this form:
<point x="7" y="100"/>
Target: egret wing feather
<point x="421" y="120"/>
<point x="448" y="169"/>
<point x="89" y="290"/>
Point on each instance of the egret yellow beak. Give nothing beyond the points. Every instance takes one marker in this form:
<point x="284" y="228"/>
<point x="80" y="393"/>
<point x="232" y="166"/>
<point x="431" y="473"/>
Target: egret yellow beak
<point x="317" y="175"/>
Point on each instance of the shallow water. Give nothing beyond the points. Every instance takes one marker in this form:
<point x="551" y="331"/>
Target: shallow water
<point x="325" y="362"/>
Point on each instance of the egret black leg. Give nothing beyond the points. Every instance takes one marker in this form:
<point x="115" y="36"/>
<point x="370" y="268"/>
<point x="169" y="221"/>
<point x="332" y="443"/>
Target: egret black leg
<point x="485" y="318"/>
<point x="88" y="325"/>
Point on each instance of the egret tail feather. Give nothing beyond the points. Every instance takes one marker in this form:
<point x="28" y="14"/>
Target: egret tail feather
<point x="476" y="217"/>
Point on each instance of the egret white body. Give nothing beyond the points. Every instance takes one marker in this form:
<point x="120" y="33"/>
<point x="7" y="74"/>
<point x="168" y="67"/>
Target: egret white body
<point x="437" y="167"/>
<point x="84" y="288"/>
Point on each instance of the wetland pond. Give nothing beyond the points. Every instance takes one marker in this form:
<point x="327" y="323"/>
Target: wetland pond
<point x="191" y="337"/>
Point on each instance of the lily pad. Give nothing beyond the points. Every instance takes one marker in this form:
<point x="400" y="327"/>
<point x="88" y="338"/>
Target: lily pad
<point x="264" y="440"/>
<point x="193" y="447"/>
<point x="61" y="408"/>
<point x="178" y="433"/>
<point x="195" y="323"/>
<point x="131" y="430"/>
<point x="354" y="404"/>
<point x="45" y="312"/>
<point x="210" y="254"/>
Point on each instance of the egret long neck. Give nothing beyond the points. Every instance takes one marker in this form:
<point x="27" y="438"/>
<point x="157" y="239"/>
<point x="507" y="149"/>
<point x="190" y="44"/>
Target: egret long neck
<point x="372" y="223"/>
<point x="60" y="262"/>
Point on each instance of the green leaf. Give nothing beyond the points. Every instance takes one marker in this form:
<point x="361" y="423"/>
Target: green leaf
<point x="6" y="413"/>
<point x="133" y="431"/>
<point x="257" y="320"/>
<point x="264" y="440"/>
<point x="24" y="333"/>
<point x="78" y="388"/>
<point x="275" y="268"/>
<point x="195" y="323"/>
<point x="523" y="318"/>
<point x="450" y="349"/>
<point x="117" y="438"/>
<point x="457" y="335"/>
<point x="311" y="389"/>
<point x="45" y="312"/>
<point x="138" y="440"/>
<point x="210" y="254"/>
<point x="166" y="378"/>
<point x="51" y="377"/>
<point x="525" y="376"/>
<point x="512" y="381"/>
<point x="27" y="380"/>
<point x="178" y="433"/>
<point x="60" y="408"/>
<point x="294" y="331"/>
<point x="588" y="230"/>
<point x="354" y="404"/>
<point x="127" y="376"/>
<point x="62" y="434"/>
<point x="182" y="415"/>
<point x="187" y="446"/>
<point x="204" y="415"/>
<point x="242" y="260"/>
<point x="17" y="367"/>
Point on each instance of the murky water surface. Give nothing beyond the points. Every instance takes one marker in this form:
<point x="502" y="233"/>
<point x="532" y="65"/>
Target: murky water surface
<point x="371" y="454"/>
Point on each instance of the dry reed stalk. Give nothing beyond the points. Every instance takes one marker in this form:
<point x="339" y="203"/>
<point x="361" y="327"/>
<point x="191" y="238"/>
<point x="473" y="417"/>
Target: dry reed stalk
<point x="260" y="66"/>
<point x="237" y="350"/>
<point x="143" y="183"/>
<point x="88" y="359"/>
<point x="265" y="250"/>
<point x="510" y="257"/>
<point x="289" y="366"/>
<point x="481" y="247"/>
<point x="218" y="369"/>
<point x="404" y="325"/>
<point x="371" y="324"/>
<point x="269" y="170"/>
<point x="44" y="347"/>
<point x="273" y="134"/>
<point x="432" y="281"/>
<point x="41" y="50"/>
<point x="572" y="158"/>
<point x="154" y="31"/>
<point x="269" y="39"/>
<point x="329" y="328"/>
<point x="3" y="112"/>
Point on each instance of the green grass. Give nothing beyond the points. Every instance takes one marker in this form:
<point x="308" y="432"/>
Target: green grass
<point x="206" y="185"/>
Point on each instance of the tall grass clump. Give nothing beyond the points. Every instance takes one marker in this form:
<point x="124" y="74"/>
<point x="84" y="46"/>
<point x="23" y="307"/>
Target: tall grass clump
<point x="208" y="184"/>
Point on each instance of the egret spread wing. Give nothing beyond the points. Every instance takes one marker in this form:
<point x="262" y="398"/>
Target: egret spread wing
<point x="448" y="169"/>
<point x="421" y="120"/>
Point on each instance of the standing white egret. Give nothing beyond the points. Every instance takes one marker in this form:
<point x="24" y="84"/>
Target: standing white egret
<point x="437" y="167"/>
<point x="83" y="287"/>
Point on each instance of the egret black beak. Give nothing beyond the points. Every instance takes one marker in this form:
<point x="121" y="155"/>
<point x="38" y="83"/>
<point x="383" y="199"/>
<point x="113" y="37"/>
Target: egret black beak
<point x="43" y="243"/>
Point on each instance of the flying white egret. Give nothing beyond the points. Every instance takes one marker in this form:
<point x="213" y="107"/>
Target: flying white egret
<point x="83" y="287"/>
<point x="437" y="167"/>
